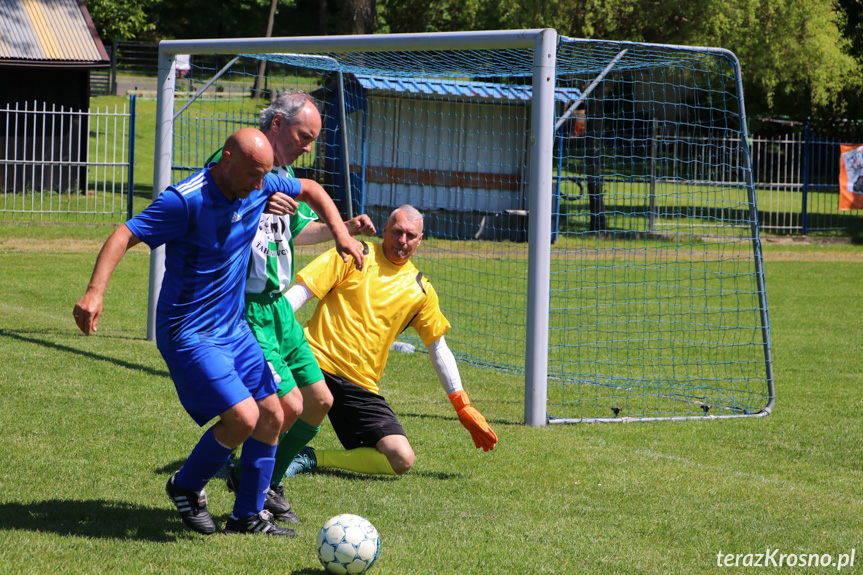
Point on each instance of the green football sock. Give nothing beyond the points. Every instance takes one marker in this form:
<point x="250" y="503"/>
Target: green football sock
<point x="366" y="460"/>
<point x="290" y="444"/>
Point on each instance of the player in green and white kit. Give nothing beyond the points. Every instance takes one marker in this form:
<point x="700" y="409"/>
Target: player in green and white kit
<point x="291" y="124"/>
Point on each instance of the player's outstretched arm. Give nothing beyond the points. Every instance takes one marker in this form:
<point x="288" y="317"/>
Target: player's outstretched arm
<point x="88" y="310"/>
<point x="446" y="368"/>
<point x="313" y="194"/>
<point x="298" y="295"/>
<point x="316" y="232"/>
<point x="480" y="431"/>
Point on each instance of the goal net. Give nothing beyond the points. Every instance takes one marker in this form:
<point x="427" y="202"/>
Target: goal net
<point x="650" y="282"/>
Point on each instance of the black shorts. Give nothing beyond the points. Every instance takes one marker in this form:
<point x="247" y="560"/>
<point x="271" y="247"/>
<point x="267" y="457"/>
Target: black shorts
<point x="359" y="417"/>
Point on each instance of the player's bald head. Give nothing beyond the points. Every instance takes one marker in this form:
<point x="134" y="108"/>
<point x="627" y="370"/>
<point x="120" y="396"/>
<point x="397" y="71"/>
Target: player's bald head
<point x="408" y="213"/>
<point x="246" y="158"/>
<point x="250" y="143"/>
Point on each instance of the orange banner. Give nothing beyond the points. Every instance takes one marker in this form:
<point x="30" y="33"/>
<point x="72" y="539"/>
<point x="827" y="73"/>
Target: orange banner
<point x="851" y="177"/>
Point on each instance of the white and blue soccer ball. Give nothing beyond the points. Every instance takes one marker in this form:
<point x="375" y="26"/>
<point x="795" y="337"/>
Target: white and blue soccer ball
<point x="348" y="544"/>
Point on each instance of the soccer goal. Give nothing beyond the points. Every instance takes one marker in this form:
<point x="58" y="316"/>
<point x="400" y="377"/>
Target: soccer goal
<point x="590" y="216"/>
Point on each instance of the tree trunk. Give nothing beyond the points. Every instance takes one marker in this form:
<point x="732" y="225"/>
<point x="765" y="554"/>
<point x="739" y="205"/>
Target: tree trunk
<point x="593" y="153"/>
<point x="257" y="88"/>
<point x="322" y="17"/>
<point x="357" y="17"/>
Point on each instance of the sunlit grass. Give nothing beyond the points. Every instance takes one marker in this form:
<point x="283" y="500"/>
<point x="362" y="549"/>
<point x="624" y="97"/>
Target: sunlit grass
<point x="92" y="428"/>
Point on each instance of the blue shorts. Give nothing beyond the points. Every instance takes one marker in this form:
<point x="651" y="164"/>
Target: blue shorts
<point x="211" y="378"/>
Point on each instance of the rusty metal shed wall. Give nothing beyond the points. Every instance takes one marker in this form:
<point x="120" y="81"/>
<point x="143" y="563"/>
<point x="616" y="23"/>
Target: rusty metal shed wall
<point x="48" y="32"/>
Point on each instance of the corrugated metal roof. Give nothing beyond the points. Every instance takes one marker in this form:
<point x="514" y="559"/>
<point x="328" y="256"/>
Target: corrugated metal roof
<point x="486" y="90"/>
<point x="48" y="32"/>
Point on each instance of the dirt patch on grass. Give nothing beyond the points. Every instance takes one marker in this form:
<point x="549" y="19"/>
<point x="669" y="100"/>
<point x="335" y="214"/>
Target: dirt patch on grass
<point x="809" y="249"/>
<point x="813" y="256"/>
<point x="809" y="241"/>
<point x="66" y="246"/>
<point x="798" y="249"/>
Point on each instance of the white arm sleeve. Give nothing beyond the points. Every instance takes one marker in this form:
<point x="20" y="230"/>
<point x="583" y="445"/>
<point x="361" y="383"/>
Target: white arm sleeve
<point x="445" y="366"/>
<point x="298" y="295"/>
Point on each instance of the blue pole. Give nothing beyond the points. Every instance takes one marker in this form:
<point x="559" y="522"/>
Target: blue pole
<point x="806" y="151"/>
<point x="130" y="189"/>
<point x="346" y="162"/>
<point x="362" y="181"/>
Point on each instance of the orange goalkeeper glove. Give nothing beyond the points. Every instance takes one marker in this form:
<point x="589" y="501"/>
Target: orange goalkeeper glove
<point x="482" y="434"/>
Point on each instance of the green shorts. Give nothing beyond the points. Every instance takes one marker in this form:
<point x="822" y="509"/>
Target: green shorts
<point x="281" y="337"/>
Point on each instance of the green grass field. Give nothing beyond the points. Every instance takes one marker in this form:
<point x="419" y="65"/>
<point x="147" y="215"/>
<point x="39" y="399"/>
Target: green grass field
<point x="92" y="429"/>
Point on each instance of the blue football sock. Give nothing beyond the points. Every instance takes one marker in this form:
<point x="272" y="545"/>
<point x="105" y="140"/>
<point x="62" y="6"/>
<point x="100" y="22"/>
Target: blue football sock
<point x="206" y="459"/>
<point x="257" y="461"/>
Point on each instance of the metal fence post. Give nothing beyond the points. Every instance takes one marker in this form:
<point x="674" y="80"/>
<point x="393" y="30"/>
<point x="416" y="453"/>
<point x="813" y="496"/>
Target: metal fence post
<point x="803" y="203"/>
<point x="113" y="87"/>
<point x="651" y="213"/>
<point x="130" y="195"/>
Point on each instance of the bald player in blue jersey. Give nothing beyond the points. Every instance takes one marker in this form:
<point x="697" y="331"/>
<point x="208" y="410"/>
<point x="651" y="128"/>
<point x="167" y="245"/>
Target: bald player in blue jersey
<point x="207" y="223"/>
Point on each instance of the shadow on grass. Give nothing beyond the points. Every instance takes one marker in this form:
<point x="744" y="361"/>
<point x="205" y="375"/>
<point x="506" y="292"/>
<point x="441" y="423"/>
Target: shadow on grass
<point x="56" y="346"/>
<point x="490" y="420"/>
<point x="94" y="518"/>
<point x="344" y="474"/>
<point x="170" y="468"/>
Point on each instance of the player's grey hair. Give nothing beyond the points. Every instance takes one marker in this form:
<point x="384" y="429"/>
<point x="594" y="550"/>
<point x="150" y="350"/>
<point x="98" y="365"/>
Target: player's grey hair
<point x="288" y="105"/>
<point x="411" y="212"/>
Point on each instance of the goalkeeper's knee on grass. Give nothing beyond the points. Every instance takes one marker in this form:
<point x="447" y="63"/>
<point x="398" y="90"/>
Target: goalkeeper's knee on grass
<point x="366" y="460"/>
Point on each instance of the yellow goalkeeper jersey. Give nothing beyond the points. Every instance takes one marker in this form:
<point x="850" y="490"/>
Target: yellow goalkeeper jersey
<point x="361" y="313"/>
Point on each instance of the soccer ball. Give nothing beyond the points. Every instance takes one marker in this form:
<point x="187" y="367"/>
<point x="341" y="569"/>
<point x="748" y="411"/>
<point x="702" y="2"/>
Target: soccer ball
<point x="348" y="544"/>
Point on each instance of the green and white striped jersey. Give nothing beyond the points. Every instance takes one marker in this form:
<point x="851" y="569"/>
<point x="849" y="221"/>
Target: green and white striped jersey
<point x="271" y="266"/>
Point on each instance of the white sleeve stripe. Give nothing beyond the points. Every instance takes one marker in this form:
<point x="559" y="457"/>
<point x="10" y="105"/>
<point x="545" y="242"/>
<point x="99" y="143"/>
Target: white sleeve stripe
<point x="191" y="185"/>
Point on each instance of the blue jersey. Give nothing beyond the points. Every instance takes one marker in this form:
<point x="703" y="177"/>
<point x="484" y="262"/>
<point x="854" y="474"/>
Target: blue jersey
<point x="207" y="247"/>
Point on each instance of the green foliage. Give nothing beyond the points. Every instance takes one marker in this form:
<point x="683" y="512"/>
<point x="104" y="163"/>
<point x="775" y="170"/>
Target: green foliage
<point x="220" y="18"/>
<point x="784" y="46"/>
<point x="799" y="57"/>
<point x="793" y="47"/>
<point x="158" y="19"/>
<point x="795" y="56"/>
<point x="434" y="15"/>
<point x="852" y="30"/>
<point x="123" y="19"/>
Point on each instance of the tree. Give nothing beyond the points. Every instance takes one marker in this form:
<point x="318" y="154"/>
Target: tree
<point x="852" y="29"/>
<point x="797" y="56"/>
<point x="405" y="16"/>
<point x="357" y="17"/>
<point x="220" y="18"/>
<point x="792" y="52"/>
<point x="122" y="19"/>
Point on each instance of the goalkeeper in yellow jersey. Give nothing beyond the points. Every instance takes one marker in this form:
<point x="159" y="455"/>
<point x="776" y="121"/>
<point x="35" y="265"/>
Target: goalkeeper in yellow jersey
<point x="358" y="317"/>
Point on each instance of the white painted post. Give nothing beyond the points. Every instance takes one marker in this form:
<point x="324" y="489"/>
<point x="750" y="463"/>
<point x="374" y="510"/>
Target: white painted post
<point x="539" y="232"/>
<point x="161" y="175"/>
